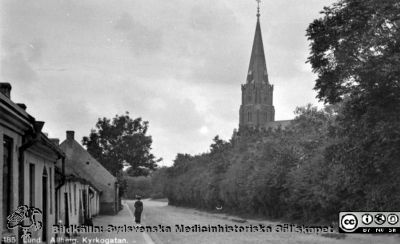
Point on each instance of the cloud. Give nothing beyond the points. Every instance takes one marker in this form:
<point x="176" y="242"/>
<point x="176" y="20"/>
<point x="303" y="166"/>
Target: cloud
<point x="125" y="22"/>
<point x="223" y="109"/>
<point x="178" y="64"/>
<point x="141" y="38"/>
<point x="169" y="110"/>
<point x="177" y="115"/>
<point x="69" y="113"/>
<point x="19" y="59"/>
<point x="196" y="44"/>
<point x="16" y="68"/>
<point x="218" y="18"/>
<point x="35" y="50"/>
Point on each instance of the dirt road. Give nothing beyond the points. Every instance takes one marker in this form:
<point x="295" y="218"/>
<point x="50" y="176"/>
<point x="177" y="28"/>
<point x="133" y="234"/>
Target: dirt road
<point x="160" y="215"/>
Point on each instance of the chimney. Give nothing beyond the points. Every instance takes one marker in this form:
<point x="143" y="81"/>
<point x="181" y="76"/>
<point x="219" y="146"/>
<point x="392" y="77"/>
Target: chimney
<point x="56" y="141"/>
<point x="21" y="105"/>
<point x="38" y="126"/>
<point x="70" y="135"/>
<point x="5" y="88"/>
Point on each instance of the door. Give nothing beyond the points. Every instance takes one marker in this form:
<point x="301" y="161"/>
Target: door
<point x="66" y="210"/>
<point x="44" y="205"/>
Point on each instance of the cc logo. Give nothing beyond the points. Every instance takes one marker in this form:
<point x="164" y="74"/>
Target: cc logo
<point x="349" y="222"/>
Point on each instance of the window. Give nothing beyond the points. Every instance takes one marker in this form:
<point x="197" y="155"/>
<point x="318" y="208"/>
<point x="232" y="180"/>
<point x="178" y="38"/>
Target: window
<point x="32" y="185"/>
<point x="7" y="178"/>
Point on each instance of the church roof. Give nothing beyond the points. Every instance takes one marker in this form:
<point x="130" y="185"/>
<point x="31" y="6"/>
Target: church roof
<point x="257" y="68"/>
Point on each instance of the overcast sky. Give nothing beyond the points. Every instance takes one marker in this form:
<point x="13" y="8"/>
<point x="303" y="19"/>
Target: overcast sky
<point x="178" y="64"/>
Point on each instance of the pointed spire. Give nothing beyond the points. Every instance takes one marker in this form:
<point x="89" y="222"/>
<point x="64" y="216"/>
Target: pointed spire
<point x="257" y="67"/>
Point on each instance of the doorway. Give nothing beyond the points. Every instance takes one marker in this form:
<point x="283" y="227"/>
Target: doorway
<point x="66" y="211"/>
<point x="44" y="204"/>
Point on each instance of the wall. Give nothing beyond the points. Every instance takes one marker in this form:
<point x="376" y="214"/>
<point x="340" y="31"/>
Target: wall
<point x="91" y="170"/>
<point x="74" y="189"/>
<point x="14" y="182"/>
<point x="41" y="161"/>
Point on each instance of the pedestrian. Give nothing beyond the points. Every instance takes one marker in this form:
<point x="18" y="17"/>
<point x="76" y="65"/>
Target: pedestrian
<point x="138" y="210"/>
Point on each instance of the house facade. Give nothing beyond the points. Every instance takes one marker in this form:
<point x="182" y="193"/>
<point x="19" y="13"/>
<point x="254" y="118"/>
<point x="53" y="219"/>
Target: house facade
<point x="39" y="187"/>
<point x="86" y="167"/>
<point x="27" y="166"/>
<point x="78" y="201"/>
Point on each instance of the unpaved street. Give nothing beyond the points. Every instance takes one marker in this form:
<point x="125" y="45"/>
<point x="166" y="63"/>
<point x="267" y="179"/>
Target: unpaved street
<point x="159" y="213"/>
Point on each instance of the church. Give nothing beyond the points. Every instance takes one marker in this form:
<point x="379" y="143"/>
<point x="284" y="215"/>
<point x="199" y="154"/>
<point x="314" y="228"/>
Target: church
<point x="257" y="109"/>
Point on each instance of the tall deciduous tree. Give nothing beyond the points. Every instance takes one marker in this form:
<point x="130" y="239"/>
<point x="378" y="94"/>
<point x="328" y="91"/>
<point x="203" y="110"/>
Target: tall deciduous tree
<point x="355" y="50"/>
<point x="122" y="141"/>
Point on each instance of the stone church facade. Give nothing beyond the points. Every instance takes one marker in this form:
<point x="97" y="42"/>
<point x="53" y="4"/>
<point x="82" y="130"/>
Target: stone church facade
<point x="257" y="109"/>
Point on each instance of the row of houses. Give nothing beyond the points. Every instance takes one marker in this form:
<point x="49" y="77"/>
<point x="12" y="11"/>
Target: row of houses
<point x="45" y="183"/>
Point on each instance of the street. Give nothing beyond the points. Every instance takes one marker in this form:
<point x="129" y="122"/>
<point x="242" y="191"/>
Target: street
<point x="158" y="213"/>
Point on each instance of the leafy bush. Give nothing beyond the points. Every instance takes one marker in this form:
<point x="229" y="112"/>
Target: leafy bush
<point x="278" y="174"/>
<point x="159" y="179"/>
<point x="138" y="186"/>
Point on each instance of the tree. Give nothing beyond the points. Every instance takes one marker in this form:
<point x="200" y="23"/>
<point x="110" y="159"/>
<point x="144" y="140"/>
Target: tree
<point x="218" y="145"/>
<point x="279" y="173"/>
<point x="159" y="181"/>
<point x="355" y="50"/>
<point x="120" y="142"/>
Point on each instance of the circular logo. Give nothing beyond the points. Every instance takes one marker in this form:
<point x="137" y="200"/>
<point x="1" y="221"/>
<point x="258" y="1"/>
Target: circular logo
<point x="380" y="219"/>
<point x="349" y="222"/>
<point x="393" y="219"/>
<point x="367" y="219"/>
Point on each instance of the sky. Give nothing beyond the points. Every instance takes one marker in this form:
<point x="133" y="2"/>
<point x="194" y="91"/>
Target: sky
<point x="178" y="64"/>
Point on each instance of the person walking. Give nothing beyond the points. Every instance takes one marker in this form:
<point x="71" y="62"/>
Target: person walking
<point x="138" y="210"/>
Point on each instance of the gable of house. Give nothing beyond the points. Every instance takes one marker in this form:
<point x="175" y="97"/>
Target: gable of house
<point x="79" y="162"/>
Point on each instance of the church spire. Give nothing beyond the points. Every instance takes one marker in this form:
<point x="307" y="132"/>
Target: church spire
<point x="257" y="109"/>
<point x="257" y="68"/>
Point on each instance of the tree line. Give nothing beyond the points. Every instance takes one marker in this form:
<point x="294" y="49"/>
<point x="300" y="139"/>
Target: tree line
<point x="343" y="157"/>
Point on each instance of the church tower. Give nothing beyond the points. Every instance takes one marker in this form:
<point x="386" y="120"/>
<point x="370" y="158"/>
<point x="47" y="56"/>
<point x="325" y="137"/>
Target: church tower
<point x="257" y="109"/>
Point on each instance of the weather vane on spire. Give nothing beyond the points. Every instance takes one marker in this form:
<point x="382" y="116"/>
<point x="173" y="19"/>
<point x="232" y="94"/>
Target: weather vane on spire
<point x="258" y="8"/>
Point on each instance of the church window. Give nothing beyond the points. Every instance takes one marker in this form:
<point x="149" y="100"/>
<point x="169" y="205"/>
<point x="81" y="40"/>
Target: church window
<point x="249" y="116"/>
<point x="257" y="96"/>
